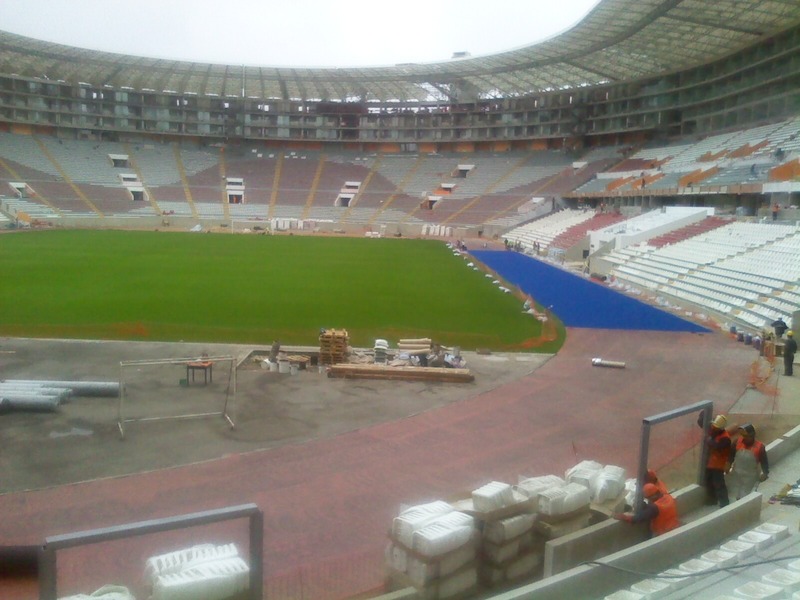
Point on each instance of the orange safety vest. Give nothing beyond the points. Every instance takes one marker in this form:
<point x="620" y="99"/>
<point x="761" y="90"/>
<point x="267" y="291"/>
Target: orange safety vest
<point x="718" y="457"/>
<point x="755" y="447"/>
<point x="667" y="518"/>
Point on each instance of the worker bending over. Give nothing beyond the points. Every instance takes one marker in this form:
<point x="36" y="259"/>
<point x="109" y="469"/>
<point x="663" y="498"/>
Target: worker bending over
<point x="660" y="512"/>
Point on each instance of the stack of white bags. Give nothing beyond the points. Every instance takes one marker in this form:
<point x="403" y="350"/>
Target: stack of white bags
<point x="430" y="545"/>
<point x="203" y="572"/>
<point x="107" y="592"/>
<point x="586" y="482"/>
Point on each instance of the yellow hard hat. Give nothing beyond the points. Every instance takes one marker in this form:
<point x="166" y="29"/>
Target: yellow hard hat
<point x="790" y="333"/>
<point x="719" y="422"/>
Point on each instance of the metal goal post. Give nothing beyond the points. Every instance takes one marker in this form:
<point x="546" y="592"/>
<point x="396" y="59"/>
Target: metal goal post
<point x="206" y="364"/>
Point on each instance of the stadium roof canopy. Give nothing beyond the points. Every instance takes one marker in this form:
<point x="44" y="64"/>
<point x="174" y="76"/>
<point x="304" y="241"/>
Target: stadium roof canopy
<point x="619" y="40"/>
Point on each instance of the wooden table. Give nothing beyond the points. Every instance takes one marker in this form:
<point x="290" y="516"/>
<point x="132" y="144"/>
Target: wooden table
<point x="206" y="366"/>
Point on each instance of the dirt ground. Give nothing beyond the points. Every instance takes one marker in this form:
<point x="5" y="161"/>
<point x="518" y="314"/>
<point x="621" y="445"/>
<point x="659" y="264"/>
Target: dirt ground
<point x="81" y="440"/>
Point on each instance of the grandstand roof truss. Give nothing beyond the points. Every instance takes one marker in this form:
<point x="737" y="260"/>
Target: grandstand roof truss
<point x="619" y="40"/>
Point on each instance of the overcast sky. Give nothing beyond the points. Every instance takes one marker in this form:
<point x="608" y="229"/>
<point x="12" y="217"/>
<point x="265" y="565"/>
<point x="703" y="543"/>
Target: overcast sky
<point x="300" y="33"/>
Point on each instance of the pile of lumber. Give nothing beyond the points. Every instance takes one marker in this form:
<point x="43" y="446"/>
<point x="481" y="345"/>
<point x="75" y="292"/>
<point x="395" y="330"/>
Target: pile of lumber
<point x="415" y="345"/>
<point x="372" y="371"/>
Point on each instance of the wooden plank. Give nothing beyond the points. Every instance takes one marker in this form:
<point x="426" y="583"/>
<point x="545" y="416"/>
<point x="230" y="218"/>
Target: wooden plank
<point x="371" y="371"/>
<point x="298" y="358"/>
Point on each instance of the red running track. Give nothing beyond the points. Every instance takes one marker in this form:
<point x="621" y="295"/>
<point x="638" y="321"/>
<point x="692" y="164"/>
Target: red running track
<point x="328" y="504"/>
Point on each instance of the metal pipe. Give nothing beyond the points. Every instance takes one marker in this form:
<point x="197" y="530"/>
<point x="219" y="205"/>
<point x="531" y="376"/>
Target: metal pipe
<point x="80" y="388"/>
<point x="59" y="395"/>
<point x="614" y="364"/>
<point x="36" y="403"/>
<point x="45" y="391"/>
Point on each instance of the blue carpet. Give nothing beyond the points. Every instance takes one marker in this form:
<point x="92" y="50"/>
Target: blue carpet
<point x="577" y="301"/>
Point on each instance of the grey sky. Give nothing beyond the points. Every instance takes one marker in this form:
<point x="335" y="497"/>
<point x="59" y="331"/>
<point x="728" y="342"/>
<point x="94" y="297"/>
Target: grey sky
<point x="294" y="32"/>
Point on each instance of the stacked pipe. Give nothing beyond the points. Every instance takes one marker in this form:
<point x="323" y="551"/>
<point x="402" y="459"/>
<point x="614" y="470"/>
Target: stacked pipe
<point x="24" y="394"/>
<point x="415" y="345"/>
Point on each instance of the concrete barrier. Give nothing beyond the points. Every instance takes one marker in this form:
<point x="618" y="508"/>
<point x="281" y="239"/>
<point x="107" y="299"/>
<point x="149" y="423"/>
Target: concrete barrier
<point x="663" y="552"/>
<point x="780" y="448"/>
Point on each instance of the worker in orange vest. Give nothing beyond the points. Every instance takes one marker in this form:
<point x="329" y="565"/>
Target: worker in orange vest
<point x="660" y="511"/>
<point x="749" y="463"/>
<point x="652" y="477"/>
<point x="718" y="442"/>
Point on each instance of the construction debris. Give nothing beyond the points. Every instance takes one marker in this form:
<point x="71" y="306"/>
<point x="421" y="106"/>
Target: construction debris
<point x="402" y="373"/>
<point x="614" y="364"/>
<point x="333" y="346"/>
<point x="30" y="395"/>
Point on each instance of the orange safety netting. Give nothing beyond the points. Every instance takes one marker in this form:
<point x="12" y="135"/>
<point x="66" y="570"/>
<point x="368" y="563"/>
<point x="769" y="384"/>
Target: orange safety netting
<point x="760" y="373"/>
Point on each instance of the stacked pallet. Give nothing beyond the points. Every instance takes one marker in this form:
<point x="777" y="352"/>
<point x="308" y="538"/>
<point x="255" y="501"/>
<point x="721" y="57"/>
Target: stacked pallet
<point x="510" y="549"/>
<point x="333" y="346"/>
<point x="563" y="510"/>
<point x="433" y="549"/>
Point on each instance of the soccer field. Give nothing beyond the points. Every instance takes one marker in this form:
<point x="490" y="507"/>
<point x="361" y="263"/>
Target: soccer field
<point x="252" y="289"/>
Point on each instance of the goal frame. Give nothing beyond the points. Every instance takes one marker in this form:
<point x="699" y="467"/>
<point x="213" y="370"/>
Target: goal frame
<point x="705" y="407"/>
<point x="230" y="390"/>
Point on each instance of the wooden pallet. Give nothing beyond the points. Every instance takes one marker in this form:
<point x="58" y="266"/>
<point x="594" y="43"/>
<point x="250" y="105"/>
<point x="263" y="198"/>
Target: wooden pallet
<point x="333" y="346"/>
<point x="368" y="371"/>
<point x="299" y="359"/>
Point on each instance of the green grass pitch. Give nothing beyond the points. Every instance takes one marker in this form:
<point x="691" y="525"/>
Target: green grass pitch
<point x="252" y="289"/>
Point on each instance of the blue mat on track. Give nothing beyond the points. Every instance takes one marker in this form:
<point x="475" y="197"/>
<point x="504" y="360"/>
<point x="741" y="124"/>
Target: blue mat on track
<point x="577" y="301"/>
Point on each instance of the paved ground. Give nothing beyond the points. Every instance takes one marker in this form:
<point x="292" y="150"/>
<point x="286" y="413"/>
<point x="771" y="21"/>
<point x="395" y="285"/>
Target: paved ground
<point x="81" y="441"/>
<point x="331" y="461"/>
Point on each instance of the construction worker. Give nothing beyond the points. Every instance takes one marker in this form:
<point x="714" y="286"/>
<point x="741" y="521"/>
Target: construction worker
<point x="660" y="511"/>
<point x="718" y="442"/>
<point x="780" y="327"/>
<point x="651" y="477"/>
<point x="749" y="463"/>
<point x="789" y="348"/>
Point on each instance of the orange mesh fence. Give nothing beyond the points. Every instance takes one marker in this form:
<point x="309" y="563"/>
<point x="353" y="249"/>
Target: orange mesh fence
<point x="359" y="575"/>
<point x="760" y="373"/>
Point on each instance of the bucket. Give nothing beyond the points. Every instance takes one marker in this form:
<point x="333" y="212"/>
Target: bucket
<point x="293" y="369"/>
<point x="273" y="366"/>
<point x="283" y="366"/>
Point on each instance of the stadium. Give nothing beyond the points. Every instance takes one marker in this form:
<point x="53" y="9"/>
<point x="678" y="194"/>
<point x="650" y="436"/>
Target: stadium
<point x="635" y="177"/>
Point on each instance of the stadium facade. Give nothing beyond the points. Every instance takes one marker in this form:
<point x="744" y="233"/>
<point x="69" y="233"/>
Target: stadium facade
<point x="631" y="71"/>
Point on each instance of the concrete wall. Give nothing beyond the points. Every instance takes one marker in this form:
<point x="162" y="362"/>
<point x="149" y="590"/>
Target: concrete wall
<point x="185" y="223"/>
